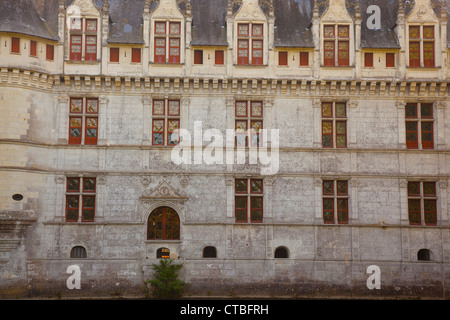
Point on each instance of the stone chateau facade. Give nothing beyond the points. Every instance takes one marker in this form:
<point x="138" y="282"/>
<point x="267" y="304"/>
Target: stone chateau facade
<point x="93" y="95"/>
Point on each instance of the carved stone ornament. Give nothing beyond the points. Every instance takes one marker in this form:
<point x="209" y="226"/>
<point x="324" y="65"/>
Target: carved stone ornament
<point x="164" y="191"/>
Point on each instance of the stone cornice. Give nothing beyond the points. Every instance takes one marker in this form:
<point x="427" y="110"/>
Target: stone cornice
<point x="420" y="89"/>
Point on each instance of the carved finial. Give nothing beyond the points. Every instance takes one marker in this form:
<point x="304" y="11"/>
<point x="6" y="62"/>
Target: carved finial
<point x="105" y="6"/>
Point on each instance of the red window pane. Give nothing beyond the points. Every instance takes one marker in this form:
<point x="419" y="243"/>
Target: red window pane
<point x="243" y="56"/>
<point x="136" y="55"/>
<point x="91" y="133"/>
<point x="304" y="59"/>
<point x="257" y="52"/>
<point x="158" y="132"/>
<point x="343" y="53"/>
<point x="114" y="55"/>
<point x="414" y="54"/>
<point x="75" y="47"/>
<point x="15" y="45"/>
<point x="328" y="187"/>
<point x="160" y="27"/>
<point x="411" y="135"/>
<point x="158" y="107"/>
<point x="414" y="32"/>
<point x="427" y="135"/>
<point x="50" y="52"/>
<point x="411" y="110"/>
<point x="163" y="224"/>
<point x="390" y="60"/>
<point x="256" y="186"/>
<point x="328" y="31"/>
<point x="91" y="25"/>
<point x="198" y="56"/>
<point x="75" y="24"/>
<point x="75" y="129"/>
<point x="33" y="48"/>
<point x="282" y="58"/>
<point x="343" y="32"/>
<point x="327" y="134"/>
<point x="91" y="48"/>
<point x="429" y="189"/>
<point x="89" y="184"/>
<point x="341" y="134"/>
<point x="342" y="188"/>
<point x="173" y="131"/>
<point x="92" y="106"/>
<point x="329" y="53"/>
<point x="414" y="189"/>
<point x="429" y="210"/>
<point x="368" y="59"/>
<point x="256" y="134"/>
<point x="241" y="133"/>
<point x="243" y="30"/>
<point x="219" y="57"/>
<point x="256" y="109"/>
<point x="174" y="108"/>
<point x="428" y="54"/>
<point x="174" y="28"/>
<point x="174" y="50"/>
<point x="257" y="30"/>
<point x="160" y="50"/>
<point x="428" y="32"/>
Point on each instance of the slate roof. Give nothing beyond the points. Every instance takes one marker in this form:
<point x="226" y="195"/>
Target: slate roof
<point x="21" y="16"/>
<point x="209" y="26"/>
<point x="292" y="20"/>
<point x="292" y="23"/>
<point x="384" y="37"/>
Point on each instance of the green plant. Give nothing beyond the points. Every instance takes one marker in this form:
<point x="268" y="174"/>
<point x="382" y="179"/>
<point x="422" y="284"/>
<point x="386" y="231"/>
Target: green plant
<point x="165" y="283"/>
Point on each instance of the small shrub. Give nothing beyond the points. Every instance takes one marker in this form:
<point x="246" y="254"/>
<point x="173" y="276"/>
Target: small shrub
<point x="165" y="283"/>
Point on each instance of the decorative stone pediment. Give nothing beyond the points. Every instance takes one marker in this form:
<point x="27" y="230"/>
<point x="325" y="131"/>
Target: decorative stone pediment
<point x="167" y="9"/>
<point x="250" y="11"/>
<point x="164" y="192"/>
<point x="82" y="8"/>
<point x="337" y="12"/>
<point x="422" y="13"/>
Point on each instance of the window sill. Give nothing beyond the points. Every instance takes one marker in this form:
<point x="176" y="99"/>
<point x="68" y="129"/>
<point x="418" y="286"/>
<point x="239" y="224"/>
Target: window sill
<point x="423" y="68"/>
<point x="166" y="64"/>
<point x="337" y="67"/>
<point x="251" y="65"/>
<point x="83" y="62"/>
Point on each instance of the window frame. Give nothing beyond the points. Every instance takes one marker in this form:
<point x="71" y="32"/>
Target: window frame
<point x="335" y="197"/>
<point x="417" y="44"/>
<point x="334" y="120"/>
<point x="165" y="226"/>
<point x="166" y="117"/>
<point x="336" y="39"/>
<point x="422" y="198"/>
<point x="248" y="196"/>
<point x="83" y="115"/>
<point x="254" y="54"/>
<point x="419" y="119"/>
<point x="81" y="195"/>
<point x="249" y="119"/>
<point x="167" y="36"/>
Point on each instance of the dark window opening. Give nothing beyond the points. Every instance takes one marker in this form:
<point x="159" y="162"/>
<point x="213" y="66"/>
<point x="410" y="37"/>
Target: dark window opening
<point x="209" y="252"/>
<point x="78" y="252"/>
<point x="424" y="255"/>
<point x="281" y="253"/>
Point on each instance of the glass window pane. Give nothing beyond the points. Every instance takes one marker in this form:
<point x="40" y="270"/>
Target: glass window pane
<point x="256" y="186"/>
<point x="89" y="184"/>
<point x="241" y="185"/>
<point x="328" y="187"/>
<point x="429" y="189"/>
<point x="256" y="203"/>
<point x="426" y="111"/>
<point x="342" y="187"/>
<point x="241" y="109"/>
<point x="341" y="110"/>
<point x="158" y="107"/>
<point x="76" y="105"/>
<point x="411" y="111"/>
<point x="327" y="109"/>
<point x="414" y="188"/>
<point x="73" y="184"/>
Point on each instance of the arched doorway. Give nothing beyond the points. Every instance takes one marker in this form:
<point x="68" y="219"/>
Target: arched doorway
<point x="163" y="224"/>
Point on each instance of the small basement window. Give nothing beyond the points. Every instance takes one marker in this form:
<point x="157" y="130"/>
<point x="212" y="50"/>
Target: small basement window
<point x="17" y="197"/>
<point x="209" y="252"/>
<point x="163" y="253"/>
<point x="281" y="253"/>
<point x="424" y="255"/>
<point x="78" y="252"/>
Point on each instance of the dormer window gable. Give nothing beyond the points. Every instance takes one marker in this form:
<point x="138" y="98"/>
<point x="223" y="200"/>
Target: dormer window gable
<point x="337" y="36"/>
<point x="167" y="33"/>
<point x="83" y="25"/>
<point x="251" y="34"/>
<point x="422" y="36"/>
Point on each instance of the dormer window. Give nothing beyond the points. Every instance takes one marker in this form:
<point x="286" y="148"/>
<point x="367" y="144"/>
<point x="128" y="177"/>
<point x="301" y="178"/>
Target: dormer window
<point x="421" y="46"/>
<point x="250" y="43"/>
<point x="167" y="40"/>
<point x="336" y="45"/>
<point x="86" y="36"/>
